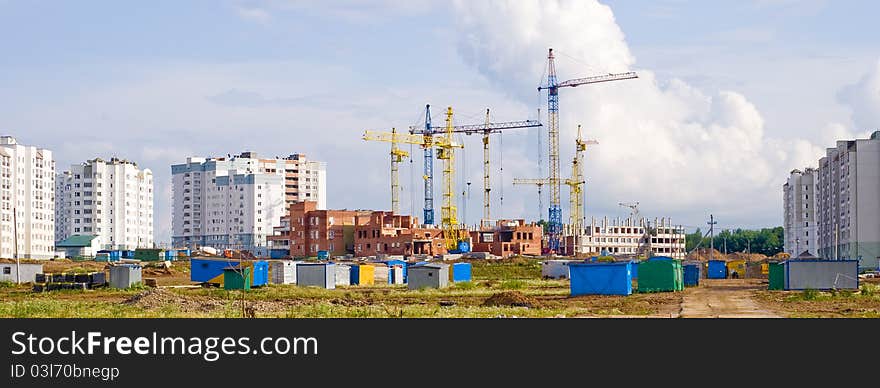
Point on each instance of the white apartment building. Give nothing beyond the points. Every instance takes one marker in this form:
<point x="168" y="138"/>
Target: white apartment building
<point x="112" y="200"/>
<point x="28" y="189"/>
<point x="800" y="199"/>
<point x="849" y="201"/>
<point x="236" y="202"/>
<point x="626" y="237"/>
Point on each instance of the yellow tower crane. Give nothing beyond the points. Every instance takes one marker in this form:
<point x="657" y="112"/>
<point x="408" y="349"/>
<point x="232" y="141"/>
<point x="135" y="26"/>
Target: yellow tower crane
<point x="397" y="156"/>
<point x="576" y="182"/>
<point x="453" y="233"/>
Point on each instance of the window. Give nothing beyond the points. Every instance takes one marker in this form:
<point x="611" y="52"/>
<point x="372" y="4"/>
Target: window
<point x="7" y="270"/>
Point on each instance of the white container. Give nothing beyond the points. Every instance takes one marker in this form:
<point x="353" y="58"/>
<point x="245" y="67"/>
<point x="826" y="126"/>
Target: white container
<point x="555" y="269"/>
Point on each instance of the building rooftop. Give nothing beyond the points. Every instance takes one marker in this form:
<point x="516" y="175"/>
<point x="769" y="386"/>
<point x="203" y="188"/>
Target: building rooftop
<point x="76" y="241"/>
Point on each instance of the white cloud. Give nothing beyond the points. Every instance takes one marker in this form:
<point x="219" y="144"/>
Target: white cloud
<point x="258" y="15"/>
<point x="863" y="98"/>
<point x="675" y="148"/>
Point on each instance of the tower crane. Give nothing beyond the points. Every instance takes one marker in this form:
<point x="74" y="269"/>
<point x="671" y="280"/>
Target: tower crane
<point x="576" y="182"/>
<point x="397" y="156"/>
<point x="484" y="129"/>
<point x="454" y="235"/>
<point x="552" y="87"/>
<point x="634" y="209"/>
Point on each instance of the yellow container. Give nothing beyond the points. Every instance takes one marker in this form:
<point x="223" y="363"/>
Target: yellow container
<point x="366" y="275"/>
<point x="765" y="269"/>
<point x="737" y="267"/>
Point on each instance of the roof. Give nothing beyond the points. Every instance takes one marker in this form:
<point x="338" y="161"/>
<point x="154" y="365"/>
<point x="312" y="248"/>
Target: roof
<point x="430" y="265"/>
<point x="77" y="241"/>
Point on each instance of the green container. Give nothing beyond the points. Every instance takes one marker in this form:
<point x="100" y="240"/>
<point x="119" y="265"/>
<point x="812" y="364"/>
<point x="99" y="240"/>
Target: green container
<point x="146" y="254"/>
<point x="776" y="276"/>
<point x="235" y="278"/>
<point x="660" y="276"/>
<point x="679" y="274"/>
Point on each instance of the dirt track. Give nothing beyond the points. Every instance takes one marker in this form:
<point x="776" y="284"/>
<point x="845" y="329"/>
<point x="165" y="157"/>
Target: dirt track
<point x="724" y="298"/>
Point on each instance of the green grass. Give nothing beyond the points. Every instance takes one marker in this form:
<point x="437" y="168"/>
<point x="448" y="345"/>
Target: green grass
<point x="520" y="268"/>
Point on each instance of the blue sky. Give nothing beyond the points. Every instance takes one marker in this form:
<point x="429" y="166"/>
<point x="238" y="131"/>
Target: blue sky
<point x="158" y="81"/>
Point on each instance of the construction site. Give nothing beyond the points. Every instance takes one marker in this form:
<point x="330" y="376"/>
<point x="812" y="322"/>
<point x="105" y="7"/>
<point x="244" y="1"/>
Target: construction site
<point x="319" y="262"/>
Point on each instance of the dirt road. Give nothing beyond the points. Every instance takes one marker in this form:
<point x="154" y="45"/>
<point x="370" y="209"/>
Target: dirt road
<point x="724" y="298"/>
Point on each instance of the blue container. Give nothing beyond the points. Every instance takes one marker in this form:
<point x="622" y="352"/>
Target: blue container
<point x="278" y="253"/>
<point x="170" y="254"/>
<point x="635" y="269"/>
<point x="717" y="269"/>
<point x="354" y="275"/>
<point x="260" y="273"/>
<point x="461" y="272"/>
<point x="691" y="275"/>
<point x="402" y="263"/>
<point x="323" y="255"/>
<point x="127" y="254"/>
<point x="601" y="278"/>
<point x="204" y="270"/>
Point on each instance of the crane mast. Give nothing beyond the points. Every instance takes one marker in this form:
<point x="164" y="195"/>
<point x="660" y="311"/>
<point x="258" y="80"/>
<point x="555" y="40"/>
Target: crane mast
<point x="555" y="211"/>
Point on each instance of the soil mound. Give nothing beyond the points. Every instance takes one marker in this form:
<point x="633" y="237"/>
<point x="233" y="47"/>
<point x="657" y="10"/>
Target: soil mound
<point x="510" y="298"/>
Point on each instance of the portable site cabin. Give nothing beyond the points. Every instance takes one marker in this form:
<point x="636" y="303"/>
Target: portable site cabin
<point x="362" y="275"/>
<point x="736" y="269"/>
<point x="660" y="274"/>
<point x="125" y="275"/>
<point x="692" y="274"/>
<point x="717" y="269"/>
<point x="343" y="274"/>
<point x="148" y="254"/>
<point x="555" y="269"/>
<point x="9" y="272"/>
<point x="316" y="274"/>
<point x="776" y="276"/>
<point x="108" y="255"/>
<point x="612" y="278"/>
<point x="211" y="270"/>
<point x="283" y="271"/>
<point x="817" y="274"/>
<point x="396" y="274"/>
<point x="381" y="274"/>
<point x="397" y="262"/>
<point x="235" y="278"/>
<point x="460" y="272"/>
<point x="432" y="275"/>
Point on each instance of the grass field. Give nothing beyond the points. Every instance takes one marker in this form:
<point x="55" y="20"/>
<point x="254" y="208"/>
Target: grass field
<point x="511" y="288"/>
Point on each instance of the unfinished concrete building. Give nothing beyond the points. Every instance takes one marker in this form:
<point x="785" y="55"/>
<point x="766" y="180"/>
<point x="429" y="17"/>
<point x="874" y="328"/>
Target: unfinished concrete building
<point x="625" y="237"/>
<point x="508" y="237"/>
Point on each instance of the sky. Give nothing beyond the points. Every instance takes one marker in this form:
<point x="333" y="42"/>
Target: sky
<point x="731" y="95"/>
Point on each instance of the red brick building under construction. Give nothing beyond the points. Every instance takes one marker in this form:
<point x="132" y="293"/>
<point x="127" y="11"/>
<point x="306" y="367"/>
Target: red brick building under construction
<point x="509" y="237"/>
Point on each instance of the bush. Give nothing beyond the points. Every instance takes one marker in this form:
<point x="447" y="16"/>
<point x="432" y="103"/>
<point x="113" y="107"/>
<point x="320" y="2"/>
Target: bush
<point x="810" y="294"/>
<point x="6" y="284"/>
<point x="867" y="290"/>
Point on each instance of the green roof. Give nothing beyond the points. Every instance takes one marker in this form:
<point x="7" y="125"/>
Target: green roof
<point x="76" y="241"/>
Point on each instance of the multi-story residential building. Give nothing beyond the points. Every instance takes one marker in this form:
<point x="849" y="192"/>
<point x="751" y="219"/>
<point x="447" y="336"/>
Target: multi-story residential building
<point x="800" y="204"/>
<point x="627" y="237"/>
<point x="27" y="198"/>
<point x="849" y="201"/>
<point x="304" y="180"/>
<point x="227" y="203"/>
<point x="111" y="200"/>
<point x="508" y="237"/>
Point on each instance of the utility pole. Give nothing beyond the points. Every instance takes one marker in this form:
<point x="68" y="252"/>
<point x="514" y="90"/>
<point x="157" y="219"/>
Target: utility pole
<point x="712" y="223"/>
<point x="725" y="245"/>
<point x="15" y="241"/>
